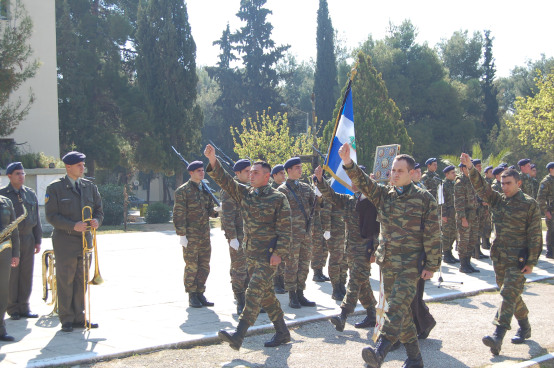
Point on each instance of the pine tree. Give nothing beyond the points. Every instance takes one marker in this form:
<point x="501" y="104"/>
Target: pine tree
<point x="490" y="92"/>
<point x="325" y="81"/>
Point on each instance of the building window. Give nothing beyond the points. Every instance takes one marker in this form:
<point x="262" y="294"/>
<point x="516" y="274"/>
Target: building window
<point x="4" y="9"/>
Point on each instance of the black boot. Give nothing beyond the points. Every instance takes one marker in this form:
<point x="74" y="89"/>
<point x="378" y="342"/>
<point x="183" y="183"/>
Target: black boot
<point x="279" y="284"/>
<point x="414" y="355"/>
<point x="203" y="300"/>
<point x="447" y="257"/>
<point x="340" y="320"/>
<point x="473" y="269"/>
<point x="302" y="299"/>
<point x="343" y="287"/>
<point x="293" y="300"/>
<point x="464" y="268"/>
<point x="495" y="341"/>
<point x="477" y="254"/>
<point x="235" y="339"/>
<point x="486" y="243"/>
<point x="239" y="297"/>
<point x="193" y="301"/>
<point x="523" y="332"/>
<point x="374" y="357"/>
<point x="369" y="320"/>
<point x="337" y="293"/>
<point x="549" y="252"/>
<point x="282" y="334"/>
<point x="319" y="276"/>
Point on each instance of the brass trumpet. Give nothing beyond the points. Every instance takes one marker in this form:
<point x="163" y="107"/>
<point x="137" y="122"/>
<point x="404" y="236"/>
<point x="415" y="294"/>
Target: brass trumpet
<point x="97" y="278"/>
<point x="49" y="279"/>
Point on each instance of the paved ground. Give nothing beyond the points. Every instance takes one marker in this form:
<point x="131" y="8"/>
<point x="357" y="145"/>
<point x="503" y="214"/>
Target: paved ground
<point x="142" y="305"/>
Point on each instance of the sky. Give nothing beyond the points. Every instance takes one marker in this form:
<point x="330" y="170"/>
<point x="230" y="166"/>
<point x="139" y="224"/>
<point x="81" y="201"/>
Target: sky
<point x="522" y="30"/>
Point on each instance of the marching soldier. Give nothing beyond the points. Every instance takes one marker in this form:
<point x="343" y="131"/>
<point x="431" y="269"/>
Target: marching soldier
<point x="278" y="178"/>
<point x="231" y="224"/>
<point x="526" y="182"/>
<point x="191" y="217"/>
<point x="515" y="251"/>
<point x="410" y="232"/>
<point x="64" y="200"/>
<point x="267" y="233"/>
<point x="545" y="197"/>
<point x="30" y="238"/>
<point x="9" y="258"/>
<point x="448" y="229"/>
<point x="301" y="198"/>
<point x="431" y="179"/>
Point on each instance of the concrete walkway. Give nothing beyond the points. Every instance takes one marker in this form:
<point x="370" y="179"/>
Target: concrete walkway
<point x="142" y="305"/>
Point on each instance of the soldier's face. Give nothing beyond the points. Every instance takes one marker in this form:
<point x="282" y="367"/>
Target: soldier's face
<point x="295" y="172"/>
<point x="259" y="176"/>
<point x="75" y="171"/>
<point x="533" y="172"/>
<point x="489" y="174"/>
<point x="197" y="175"/>
<point x="432" y="167"/>
<point x="416" y="176"/>
<point x="400" y="175"/>
<point x="279" y="177"/>
<point x="526" y="168"/>
<point x="17" y="178"/>
<point x="479" y="167"/>
<point x="244" y="175"/>
<point x="509" y="185"/>
<point x="451" y="175"/>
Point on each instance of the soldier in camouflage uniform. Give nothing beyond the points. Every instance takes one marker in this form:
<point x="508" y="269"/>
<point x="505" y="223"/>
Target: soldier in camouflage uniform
<point x="526" y="181"/>
<point x="319" y="237"/>
<point x="363" y="233"/>
<point x="431" y="178"/>
<point x="267" y="238"/>
<point x="482" y="216"/>
<point x="515" y="250"/>
<point x="545" y="197"/>
<point x="278" y="177"/>
<point x="409" y="238"/>
<point x="487" y="226"/>
<point x="534" y="181"/>
<point x="191" y="218"/>
<point x="465" y="205"/>
<point x="448" y="228"/>
<point x="497" y="172"/>
<point x="231" y="224"/>
<point x="301" y="198"/>
<point x="338" y="260"/>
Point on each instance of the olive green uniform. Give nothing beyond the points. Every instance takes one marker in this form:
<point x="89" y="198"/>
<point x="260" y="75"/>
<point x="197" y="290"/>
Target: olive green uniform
<point x="7" y="252"/>
<point x="545" y="197"/>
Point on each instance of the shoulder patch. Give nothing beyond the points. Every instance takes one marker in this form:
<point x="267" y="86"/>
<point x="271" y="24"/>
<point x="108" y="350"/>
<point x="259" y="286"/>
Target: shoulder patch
<point x="46" y="198"/>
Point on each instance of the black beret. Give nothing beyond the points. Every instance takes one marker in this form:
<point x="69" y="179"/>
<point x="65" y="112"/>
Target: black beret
<point x="488" y="168"/>
<point x="523" y="161"/>
<point x="461" y="165"/>
<point x="430" y="161"/>
<point x="533" y="166"/>
<point x="476" y="161"/>
<point x="512" y="167"/>
<point x="292" y="161"/>
<point x="497" y="170"/>
<point x="195" y="165"/>
<point x="550" y="165"/>
<point x="504" y="165"/>
<point x="448" y="168"/>
<point x="417" y="165"/>
<point x="277" y="169"/>
<point x="73" y="157"/>
<point x="362" y="167"/>
<point x="14" y="166"/>
<point x="241" y="165"/>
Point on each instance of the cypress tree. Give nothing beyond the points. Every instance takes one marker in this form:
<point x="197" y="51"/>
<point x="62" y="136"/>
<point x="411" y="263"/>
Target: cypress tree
<point x="490" y="92"/>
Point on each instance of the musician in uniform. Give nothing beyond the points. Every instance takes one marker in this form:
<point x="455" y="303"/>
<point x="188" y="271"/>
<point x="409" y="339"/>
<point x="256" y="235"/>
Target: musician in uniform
<point x="64" y="200"/>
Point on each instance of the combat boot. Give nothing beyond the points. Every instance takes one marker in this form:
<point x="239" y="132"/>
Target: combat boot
<point x="549" y="252"/>
<point x="282" y="334"/>
<point x="203" y="300"/>
<point x="193" y="301"/>
<point x="337" y="293"/>
<point x="477" y="254"/>
<point x="340" y="320"/>
<point x="414" y="355"/>
<point x="277" y="286"/>
<point x="302" y="299"/>
<point x="523" y="332"/>
<point x="495" y="341"/>
<point x="239" y="297"/>
<point x="343" y="288"/>
<point x="319" y="276"/>
<point x="370" y="319"/>
<point x="235" y="339"/>
<point x="447" y="257"/>
<point x="473" y="269"/>
<point x="464" y="268"/>
<point x="293" y="300"/>
<point x="374" y="357"/>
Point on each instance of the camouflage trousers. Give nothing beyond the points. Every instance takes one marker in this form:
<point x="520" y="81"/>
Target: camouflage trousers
<point x="468" y="237"/>
<point x="400" y="289"/>
<point x="197" y="265"/>
<point x="485" y="222"/>
<point x="238" y="269"/>
<point x="297" y="264"/>
<point x="358" y="284"/>
<point x="338" y="264"/>
<point x="448" y="234"/>
<point x="511" y="282"/>
<point x="549" y="233"/>
<point x="319" y="250"/>
<point x="260" y="293"/>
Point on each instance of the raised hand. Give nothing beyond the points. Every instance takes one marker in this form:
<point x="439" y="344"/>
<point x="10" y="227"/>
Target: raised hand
<point x="466" y="160"/>
<point x="318" y="172"/>
<point x="209" y="152"/>
<point x="344" y="154"/>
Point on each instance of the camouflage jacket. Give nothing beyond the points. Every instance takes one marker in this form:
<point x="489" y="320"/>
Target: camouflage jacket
<point x="545" y="197"/>
<point x="448" y="205"/>
<point x="231" y="217"/>
<point x="496" y="186"/>
<point x="465" y="199"/>
<point x="431" y="180"/>
<point x="192" y="210"/>
<point x="266" y="215"/>
<point x="527" y="184"/>
<point x="409" y="222"/>
<point x="304" y="194"/>
<point x="517" y="221"/>
<point x="274" y="184"/>
<point x="536" y="186"/>
<point x="26" y="197"/>
<point x="7" y="216"/>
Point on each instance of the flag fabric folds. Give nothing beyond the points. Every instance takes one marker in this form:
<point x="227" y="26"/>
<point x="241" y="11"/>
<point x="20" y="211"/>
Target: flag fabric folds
<point x="344" y="133"/>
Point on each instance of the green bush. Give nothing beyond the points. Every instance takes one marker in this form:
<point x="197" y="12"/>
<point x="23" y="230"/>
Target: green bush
<point x="157" y="213"/>
<point x="112" y="202"/>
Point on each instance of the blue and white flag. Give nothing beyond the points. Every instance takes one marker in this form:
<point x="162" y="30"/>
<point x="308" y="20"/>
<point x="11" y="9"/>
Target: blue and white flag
<point x="344" y="133"/>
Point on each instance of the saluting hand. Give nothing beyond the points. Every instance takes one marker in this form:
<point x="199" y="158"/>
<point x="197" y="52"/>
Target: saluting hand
<point x="466" y="160"/>
<point x="344" y="153"/>
<point x="209" y="152"/>
<point x="318" y="172"/>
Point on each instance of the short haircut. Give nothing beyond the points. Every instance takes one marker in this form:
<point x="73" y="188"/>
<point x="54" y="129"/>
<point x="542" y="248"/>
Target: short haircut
<point x="264" y="165"/>
<point x="409" y="160"/>
<point x="511" y="172"/>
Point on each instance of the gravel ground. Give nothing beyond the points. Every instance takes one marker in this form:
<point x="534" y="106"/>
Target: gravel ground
<point x="455" y="341"/>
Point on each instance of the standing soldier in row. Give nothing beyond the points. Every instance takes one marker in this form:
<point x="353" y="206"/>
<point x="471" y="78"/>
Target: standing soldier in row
<point x="482" y="215"/>
<point x="267" y="238"/>
<point x="497" y="172"/>
<point x="301" y="198"/>
<point x="534" y="181"/>
<point x="231" y="224"/>
<point x="320" y="233"/>
<point x="416" y="177"/>
<point x="278" y="177"/>
<point x="448" y="228"/>
<point x="30" y="238"/>
<point x="431" y="179"/>
<point x="191" y="217"/>
<point x="338" y="263"/>
<point x="545" y="197"/>
<point x="515" y="250"/>
<point x="410" y="232"/>
<point x="526" y="182"/>
<point x="487" y="226"/>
